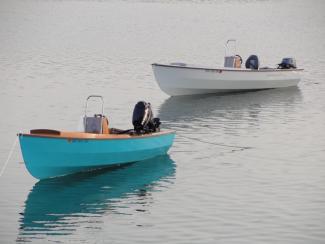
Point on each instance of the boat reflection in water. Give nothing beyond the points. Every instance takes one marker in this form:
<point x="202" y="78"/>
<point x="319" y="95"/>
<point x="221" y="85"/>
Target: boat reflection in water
<point x="52" y="203"/>
<point x="180" y="112"/>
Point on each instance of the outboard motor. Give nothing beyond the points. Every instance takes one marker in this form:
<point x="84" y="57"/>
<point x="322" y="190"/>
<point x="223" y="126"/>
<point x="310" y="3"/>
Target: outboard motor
<point x="252" y="62"/>
<point x="143" y="120"/>
<point x="287" y="63"/>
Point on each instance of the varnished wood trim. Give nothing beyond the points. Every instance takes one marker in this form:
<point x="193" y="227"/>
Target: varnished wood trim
<point x="91" y="136"/>
<point x="45" y="132"/>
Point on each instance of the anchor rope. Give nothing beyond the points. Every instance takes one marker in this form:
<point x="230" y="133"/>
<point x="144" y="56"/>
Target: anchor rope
<point x="9" y="156"/>
<point x="214" y="143"/>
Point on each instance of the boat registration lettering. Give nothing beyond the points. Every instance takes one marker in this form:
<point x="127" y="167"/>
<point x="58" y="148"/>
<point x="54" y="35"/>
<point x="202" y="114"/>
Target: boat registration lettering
<point x="214" y="70"/>
<point x="76" y="140"/>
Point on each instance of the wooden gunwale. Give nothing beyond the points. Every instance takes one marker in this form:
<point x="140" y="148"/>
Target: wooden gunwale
<point x="91" y="136"/>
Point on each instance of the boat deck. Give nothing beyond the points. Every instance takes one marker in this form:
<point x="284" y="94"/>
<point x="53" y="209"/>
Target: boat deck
<point x="82" y="135"/>
<point x="199" y="67"/>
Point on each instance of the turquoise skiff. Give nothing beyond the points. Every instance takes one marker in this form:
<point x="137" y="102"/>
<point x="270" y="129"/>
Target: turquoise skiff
<point x="51" y="153"/>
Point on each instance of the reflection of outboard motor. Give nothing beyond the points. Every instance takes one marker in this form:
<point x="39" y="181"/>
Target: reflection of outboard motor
<point x="287" y="63"/>
<point x="252" y="62"/>
<point x="143" y="120"/>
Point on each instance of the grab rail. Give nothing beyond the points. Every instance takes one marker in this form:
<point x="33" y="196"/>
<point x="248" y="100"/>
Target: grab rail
<point x="94" y="96"/>
<point x="227" y="48"/>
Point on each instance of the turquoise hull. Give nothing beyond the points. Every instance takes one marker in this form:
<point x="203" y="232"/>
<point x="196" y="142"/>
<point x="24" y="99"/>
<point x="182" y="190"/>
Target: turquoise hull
<point x="47" y="157"/>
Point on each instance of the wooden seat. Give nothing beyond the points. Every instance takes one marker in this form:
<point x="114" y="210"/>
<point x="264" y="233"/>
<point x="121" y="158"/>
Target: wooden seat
<point x="45" y="131"/>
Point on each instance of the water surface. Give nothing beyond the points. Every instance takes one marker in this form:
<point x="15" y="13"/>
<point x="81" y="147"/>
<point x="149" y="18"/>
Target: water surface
<point x="244" y="168"/>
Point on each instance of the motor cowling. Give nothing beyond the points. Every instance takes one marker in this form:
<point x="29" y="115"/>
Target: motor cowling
<point x="252" y="62"/>
<point x="287" y="63"/>
<point x="143" y="120"/>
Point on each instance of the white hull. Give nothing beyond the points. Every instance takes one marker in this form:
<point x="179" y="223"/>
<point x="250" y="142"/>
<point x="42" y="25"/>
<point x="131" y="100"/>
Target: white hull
<point x="176" y="80"/>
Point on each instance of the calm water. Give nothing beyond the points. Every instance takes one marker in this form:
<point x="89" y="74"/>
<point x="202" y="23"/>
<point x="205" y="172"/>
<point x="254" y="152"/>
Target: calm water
<point x="245" y="168"/>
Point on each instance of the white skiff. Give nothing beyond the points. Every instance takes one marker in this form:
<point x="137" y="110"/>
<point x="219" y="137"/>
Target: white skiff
<point x="183" y="79"/>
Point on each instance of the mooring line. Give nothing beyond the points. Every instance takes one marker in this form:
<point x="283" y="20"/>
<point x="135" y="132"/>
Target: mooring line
<point x="213" y="143"/>
<point x="9" y="156"/>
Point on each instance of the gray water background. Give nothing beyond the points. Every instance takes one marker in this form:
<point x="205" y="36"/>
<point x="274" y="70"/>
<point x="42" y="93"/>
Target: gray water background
<point x="53" y="54"/>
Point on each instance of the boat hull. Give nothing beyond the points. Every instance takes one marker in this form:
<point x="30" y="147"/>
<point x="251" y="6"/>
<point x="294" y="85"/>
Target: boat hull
<point x="178" y="80"/>
<point x="47" y="157"/>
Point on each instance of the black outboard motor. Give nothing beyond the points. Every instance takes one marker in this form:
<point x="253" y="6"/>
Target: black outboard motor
<point x="143" y="120"/>
<point x="252" y="62"/>
<point x="287" y="63"/>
